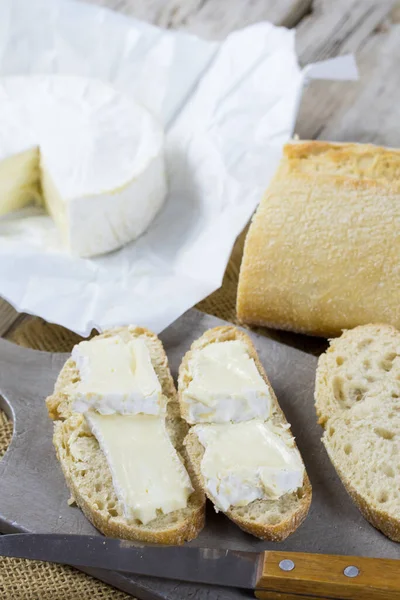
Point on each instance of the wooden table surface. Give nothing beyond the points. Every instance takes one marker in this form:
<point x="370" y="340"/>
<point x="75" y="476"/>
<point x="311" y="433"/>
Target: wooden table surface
<point x="363" y="111"/>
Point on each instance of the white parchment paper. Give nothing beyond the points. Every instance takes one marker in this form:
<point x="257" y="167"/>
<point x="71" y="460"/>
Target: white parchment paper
<point x="227" y="109"/>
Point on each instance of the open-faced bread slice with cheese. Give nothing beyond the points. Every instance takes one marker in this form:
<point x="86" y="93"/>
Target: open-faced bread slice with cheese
<point x="127" y="470"/>
<point x="240" y="446"/>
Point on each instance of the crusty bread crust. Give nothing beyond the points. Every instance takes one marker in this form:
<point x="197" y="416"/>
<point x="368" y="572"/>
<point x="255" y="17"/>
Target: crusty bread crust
<point x="85" y="467"/>
<point x="313" y="255"/>
<point x="292" y="508"/>
<point x="379" y="518"/>
<point x="351" y="159"/>
<point x="332" y="415"/>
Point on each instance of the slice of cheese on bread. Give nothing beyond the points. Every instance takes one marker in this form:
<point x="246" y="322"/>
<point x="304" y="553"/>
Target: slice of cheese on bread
<point x="150" y="496"/>
<point x="357" y="398"/>
<point x="246" y="461"/>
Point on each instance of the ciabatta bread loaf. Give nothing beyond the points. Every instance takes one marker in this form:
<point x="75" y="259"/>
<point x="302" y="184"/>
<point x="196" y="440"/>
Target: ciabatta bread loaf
<point x="86" y="469"/>
<point x="357" y="399"/>
<point x="270" y="519"/>
<point x="321" y="254"/>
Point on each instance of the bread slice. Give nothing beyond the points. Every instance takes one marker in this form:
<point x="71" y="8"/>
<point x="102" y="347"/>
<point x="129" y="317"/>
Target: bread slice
<point x="357" y="398"/>
<point x="267" y="519"/>
<point x="86" y="469"/>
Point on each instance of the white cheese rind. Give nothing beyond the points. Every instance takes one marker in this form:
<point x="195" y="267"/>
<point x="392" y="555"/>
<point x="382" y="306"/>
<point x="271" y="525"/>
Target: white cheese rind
<point x="100" y="159"/>
<point x="121" y="219"/>
<point x="148" y="475"/>
<point x="226" y="386"/>
<point x="247" y="461"/>
<point x="116" y="376"/>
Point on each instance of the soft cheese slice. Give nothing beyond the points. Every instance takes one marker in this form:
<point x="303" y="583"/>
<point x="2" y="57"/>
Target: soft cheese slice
<point x="225" y="385"/>
<point x="90" y="155"/>
<point x="247" y="461"/>
<point x="19" y="181"/>
<point x="147" y="473"/>
<point x="116" y="376"/>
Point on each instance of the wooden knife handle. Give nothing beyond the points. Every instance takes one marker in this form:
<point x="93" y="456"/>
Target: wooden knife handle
<point x="300" y="576"/>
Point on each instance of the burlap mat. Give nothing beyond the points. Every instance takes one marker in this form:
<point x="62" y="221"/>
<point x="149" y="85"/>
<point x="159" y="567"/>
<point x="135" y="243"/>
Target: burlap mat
<point x="27" y="580"/>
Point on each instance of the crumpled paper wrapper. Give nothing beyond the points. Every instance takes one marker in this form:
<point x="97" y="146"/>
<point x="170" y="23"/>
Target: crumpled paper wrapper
<point x="227" y="108"/>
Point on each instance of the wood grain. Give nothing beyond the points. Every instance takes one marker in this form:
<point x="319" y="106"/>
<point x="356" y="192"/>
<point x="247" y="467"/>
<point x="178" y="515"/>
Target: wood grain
<point x="8" y="316"/>
<point x="322" y="576"/>
<point x="368" y="29"/>
<point x="367" y="112"/>
<point x="339" y="27"/>
<point x="267" y="595"/>
<point x="212" y="19"/>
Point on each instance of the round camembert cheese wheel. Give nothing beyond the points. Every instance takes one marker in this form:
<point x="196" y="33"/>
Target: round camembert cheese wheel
<point x="91" y="156"/>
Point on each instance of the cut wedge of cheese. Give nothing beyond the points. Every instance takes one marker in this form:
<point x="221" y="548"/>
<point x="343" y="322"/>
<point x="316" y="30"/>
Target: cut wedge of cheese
<point x="91" y="156"/>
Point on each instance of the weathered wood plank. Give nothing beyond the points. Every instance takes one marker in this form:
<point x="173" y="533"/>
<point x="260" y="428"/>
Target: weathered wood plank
<point x="365" y="110"/>
<point x="338" y="27"/>
<point x="217" y="18"/>
<point x="369" y="111"/>
<point x="212" y="19"/>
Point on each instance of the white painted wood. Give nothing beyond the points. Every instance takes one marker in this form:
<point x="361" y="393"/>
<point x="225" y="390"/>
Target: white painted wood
<point x="211" y="18"/>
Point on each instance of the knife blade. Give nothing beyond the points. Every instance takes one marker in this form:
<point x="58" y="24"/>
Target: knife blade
<point x="228" y="568"/>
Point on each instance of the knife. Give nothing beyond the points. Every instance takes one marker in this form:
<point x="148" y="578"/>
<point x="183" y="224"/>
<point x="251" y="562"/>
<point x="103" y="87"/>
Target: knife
<point x="271" y="575"/>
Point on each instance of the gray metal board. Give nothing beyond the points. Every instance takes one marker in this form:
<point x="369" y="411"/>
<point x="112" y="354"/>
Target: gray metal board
<point x="33" y="494"/>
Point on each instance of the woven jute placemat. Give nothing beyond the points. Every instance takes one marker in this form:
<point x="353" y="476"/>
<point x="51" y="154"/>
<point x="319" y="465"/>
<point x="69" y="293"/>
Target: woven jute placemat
<point x="28" y="580"/>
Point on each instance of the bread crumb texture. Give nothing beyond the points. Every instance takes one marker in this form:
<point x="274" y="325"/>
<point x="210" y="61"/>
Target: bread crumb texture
<point x="357" y="398"/>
